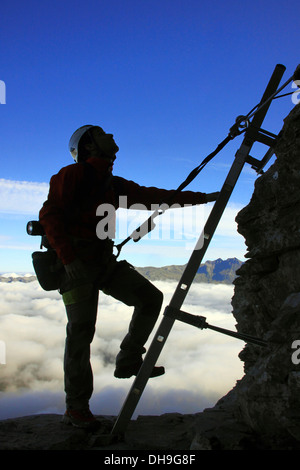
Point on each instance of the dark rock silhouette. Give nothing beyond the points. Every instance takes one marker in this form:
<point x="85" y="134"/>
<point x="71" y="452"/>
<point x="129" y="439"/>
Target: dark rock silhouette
<point x="266" y="304"/>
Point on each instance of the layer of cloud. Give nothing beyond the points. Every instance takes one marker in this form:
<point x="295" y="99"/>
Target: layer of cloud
<point x="22" y="197"/>
<point x="201" y="365"/>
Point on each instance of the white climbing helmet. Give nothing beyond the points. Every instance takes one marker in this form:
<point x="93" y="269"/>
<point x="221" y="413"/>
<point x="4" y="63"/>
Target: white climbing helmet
<point x="75" y="139"/>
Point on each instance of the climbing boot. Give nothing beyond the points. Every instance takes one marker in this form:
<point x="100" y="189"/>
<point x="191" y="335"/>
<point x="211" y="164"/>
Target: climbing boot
<point x="127" y="371"/>
<point x="81" y="419"/>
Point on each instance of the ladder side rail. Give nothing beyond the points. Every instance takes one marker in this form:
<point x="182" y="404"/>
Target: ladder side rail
<point x="271" y="88"/>
<point x="211" y="224"/>
<point x="194" y="262"/>
<point x="180" y="293"/>
<point x="143" y="375"/>
<point x="240" y="158"/>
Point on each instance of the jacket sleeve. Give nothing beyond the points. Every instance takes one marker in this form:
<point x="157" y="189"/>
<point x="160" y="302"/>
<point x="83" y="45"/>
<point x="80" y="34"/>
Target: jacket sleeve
<point x="52" y="215"/>
<point x="148" y="196"/>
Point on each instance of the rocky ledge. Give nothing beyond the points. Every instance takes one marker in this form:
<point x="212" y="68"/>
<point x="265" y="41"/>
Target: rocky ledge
<point x="46" y="432"/>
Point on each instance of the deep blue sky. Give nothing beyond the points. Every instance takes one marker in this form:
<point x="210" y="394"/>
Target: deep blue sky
<point x="167" y="78"/>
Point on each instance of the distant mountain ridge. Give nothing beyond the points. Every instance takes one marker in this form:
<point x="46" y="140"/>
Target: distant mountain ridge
<point x="13" y="277"/>
<point x="218" y="271"/>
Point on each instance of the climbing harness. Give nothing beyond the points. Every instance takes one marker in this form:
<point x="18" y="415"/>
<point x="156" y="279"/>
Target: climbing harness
<point x="252" y="133"/>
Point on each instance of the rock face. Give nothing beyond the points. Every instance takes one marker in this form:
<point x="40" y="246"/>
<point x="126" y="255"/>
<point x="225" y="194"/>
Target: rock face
<point x="266" y="304"/>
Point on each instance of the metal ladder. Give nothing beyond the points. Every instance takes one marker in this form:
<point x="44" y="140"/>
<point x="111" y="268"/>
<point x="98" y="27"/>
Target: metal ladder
<point x="254" y="133"/>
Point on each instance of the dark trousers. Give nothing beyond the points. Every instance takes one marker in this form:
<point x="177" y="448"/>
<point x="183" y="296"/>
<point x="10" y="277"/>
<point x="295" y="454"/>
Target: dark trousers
<point x="128" y="286"/>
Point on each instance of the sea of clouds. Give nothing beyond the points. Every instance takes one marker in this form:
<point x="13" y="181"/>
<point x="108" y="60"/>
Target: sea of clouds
<point x="201" y="365"/>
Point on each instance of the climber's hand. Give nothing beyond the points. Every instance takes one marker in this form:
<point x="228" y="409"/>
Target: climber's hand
<point x="212" y="197"/>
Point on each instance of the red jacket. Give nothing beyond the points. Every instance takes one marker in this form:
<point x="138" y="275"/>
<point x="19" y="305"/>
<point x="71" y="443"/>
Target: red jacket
<point x="74" y="195"/>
